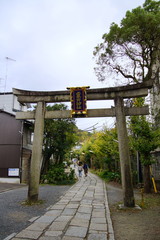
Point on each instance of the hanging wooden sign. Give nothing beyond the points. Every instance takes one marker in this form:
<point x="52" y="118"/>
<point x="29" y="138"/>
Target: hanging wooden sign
<point x="78" y="98"/>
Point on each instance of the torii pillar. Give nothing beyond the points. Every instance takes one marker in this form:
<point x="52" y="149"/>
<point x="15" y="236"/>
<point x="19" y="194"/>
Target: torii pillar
<point x="125" y="162"/>
<point x="36" y="153"/>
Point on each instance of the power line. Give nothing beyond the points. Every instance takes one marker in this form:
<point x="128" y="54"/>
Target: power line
<point x="89" y="127"/>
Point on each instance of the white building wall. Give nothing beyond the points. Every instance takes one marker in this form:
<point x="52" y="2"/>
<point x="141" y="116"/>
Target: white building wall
<point x="9" y="103"/>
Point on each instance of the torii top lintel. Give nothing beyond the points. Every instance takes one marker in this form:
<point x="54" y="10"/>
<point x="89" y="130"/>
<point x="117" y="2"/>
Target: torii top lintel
<point x="128" y="91"/>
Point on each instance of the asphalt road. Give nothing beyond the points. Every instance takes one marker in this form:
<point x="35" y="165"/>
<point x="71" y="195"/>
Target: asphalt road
<point x="14" y="216"/>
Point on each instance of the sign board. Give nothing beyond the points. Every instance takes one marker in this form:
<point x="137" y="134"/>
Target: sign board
<point x="78" y="101"/>
<point x="13" y="172"/>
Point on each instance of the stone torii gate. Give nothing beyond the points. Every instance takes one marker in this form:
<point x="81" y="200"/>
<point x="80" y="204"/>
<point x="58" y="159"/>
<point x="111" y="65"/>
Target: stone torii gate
<point x="119" y="111"/>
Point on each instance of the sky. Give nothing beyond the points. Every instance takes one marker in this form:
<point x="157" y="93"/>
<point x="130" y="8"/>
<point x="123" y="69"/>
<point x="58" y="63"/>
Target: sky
<point x="47" y="45"/>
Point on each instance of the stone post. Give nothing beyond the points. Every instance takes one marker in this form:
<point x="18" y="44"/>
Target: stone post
<point x="124" y="154"/>
<point x="36" y="153"/>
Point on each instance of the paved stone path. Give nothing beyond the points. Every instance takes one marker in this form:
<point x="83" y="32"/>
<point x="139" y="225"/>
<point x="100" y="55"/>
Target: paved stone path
<point x="81" y="214"/>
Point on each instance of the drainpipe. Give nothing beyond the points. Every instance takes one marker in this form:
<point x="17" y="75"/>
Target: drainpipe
<point x="21" y="151"/>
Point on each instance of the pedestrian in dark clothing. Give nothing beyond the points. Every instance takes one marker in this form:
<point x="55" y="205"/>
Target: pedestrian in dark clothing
<point x="85" y="167"/>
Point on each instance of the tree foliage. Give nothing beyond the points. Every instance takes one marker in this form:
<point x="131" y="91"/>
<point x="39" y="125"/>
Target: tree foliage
<point x="59" y="137"/>
<point x="131" y="49"/>
<point x="102" y="149"/>
<point x="144" y="139"/>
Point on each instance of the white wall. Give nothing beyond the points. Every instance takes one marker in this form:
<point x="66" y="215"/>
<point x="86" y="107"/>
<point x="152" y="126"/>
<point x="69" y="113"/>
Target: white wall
<point x="9" y="103"/>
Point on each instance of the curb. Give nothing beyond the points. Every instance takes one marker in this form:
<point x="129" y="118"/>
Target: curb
<point x="109" y="221"/>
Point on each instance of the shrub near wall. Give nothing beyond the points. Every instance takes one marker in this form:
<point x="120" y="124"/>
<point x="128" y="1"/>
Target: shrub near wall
<point x="108" y="176"/>
<point x="57" y="175"/>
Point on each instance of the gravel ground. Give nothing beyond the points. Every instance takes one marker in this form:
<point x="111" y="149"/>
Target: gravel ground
<point x="14" y="216"/>
<point x="134" y="224"/>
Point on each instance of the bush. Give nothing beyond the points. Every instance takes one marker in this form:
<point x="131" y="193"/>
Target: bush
<point x="57" y="175"/>
<point x="108" y="176"/>
<point x="114" y="176"/>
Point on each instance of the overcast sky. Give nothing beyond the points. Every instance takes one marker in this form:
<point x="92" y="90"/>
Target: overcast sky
<point x="52" y="43"/>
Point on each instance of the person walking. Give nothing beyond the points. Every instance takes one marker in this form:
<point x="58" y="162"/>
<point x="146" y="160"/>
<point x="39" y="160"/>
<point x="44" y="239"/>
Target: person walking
<point x="85" y="167"/>
<point x="80" y="169"/>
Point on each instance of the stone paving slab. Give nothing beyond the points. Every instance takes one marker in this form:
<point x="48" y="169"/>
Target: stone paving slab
<point x="37" y="226"/>
<point x="53" y="233"/>
<point x="29" y="234"/>
<point x="19" y="238"/>
<point x="85" y="209"/>
<point x="57" y="226"/>
<point x="98" y="226"/>
<point x="49" y="238"/>
<point x="71" y="238"/>
<point x="69" y="211"/>
<point x="78" y="222"/>
<point x="46" y="219"/>
<point x="73" y="205"/>
<point x="81" y="214"/>
<point x="63" y="218"/>
<point x="97" y="236"/>
<point x="97" y="214"/>
<point x="74" y="231"/>
<point x="54" y="213"/>
<point x="58" y="207"/>
<point x="98" y="220"/>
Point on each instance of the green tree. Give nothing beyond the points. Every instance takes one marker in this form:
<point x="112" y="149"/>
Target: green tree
<point x="86" y="151"/>
<point x="101" y="150"/>
<point x="131" y="50"/>
<point x="59" y="137"/>
<point x="145" y="138"/>
<point x="106" y="149"/>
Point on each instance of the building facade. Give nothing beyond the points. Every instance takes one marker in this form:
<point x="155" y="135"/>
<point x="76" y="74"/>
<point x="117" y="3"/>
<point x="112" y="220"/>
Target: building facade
<point x="15" y="139"/>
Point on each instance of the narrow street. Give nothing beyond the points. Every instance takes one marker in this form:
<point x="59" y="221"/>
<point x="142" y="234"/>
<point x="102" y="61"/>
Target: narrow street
<point x="14" y="216"/>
